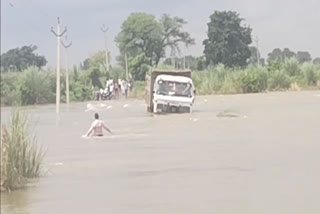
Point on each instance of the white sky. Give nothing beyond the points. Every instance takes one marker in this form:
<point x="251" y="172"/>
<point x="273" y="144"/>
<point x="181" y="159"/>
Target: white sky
<point x="278" y="23"/>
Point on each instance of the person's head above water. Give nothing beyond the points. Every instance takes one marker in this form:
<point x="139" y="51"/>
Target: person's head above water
<point x="96" y="116"/>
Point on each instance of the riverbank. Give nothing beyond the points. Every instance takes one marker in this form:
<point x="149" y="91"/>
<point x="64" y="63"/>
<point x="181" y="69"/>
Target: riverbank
<point x="33" y="86"/>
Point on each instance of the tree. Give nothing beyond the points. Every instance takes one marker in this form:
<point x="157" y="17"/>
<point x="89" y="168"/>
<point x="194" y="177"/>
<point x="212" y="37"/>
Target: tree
<point x="228" y="40"/>
<point x="316" y="61"/>
<point x="99" y="58"/>
<point x="287" y="53"/>
<point x="96" y="67"/>
<point x="86" y="64"/>
<point x="275" y="56"/>
<point x="144" y="39"/>
<point x="200" y="63"/>
<point x="303" y="56"/>
<point x="172" y="35"/>
<point x="18" y="59"/>
<point x="279" y="56"/>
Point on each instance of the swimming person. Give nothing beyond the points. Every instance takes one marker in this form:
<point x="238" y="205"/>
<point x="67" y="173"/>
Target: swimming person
<point x="97" y="127"/>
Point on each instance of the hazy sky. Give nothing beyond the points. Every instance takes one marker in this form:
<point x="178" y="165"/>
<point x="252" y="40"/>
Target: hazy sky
<point x="277" y="23"/>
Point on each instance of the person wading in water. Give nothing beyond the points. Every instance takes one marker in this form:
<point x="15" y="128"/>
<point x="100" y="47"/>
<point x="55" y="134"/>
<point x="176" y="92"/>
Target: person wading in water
<point x="97" y="127"/>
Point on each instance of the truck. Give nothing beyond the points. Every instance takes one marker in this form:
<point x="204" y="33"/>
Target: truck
<point x="169" y="91"/>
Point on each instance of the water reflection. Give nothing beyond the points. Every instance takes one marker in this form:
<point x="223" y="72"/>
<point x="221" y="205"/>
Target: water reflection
<point x="16" y="202"/>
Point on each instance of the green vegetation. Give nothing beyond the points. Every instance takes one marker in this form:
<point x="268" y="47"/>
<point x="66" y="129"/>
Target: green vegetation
<point x="18" y="59"/>
<point x="35" y="86"/>
<point x="145" y="40"/>
<point x="229" y="64"/>
<point x="139" y="90"/>
<point x="228" y="40"/>
<point x="287" y="76"/>
<point x="21" y="157"/>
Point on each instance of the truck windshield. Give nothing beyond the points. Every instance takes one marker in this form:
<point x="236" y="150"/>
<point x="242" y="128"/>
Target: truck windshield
<point x="174" y="88"/>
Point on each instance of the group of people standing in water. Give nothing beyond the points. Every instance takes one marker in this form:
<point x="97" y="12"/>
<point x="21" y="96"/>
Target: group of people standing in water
<point x="114" y="89"/>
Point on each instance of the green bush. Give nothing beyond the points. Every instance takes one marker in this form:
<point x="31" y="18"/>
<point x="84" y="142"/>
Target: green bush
<point x="81" y="88"/>
<point x="9" y="92"/>
<point x="253" y="80"/>
<point x="216" y="79"/>
<point x="278" y="80"/>
<point x="310" y="74"/>
<point x="117" y="73"/>
<point x="139" y="90"/>
<point x="34" y="87"/>
<point x="292" y="67"/>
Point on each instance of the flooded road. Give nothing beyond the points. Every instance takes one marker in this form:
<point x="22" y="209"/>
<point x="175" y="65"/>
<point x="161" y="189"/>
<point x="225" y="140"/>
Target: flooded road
<point x="254" y="153"/>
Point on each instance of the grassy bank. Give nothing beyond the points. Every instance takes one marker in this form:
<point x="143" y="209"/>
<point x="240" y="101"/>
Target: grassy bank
<point x="288" y="76"/>
<point x="34" y="86"/>
<point x="21" y="156"/>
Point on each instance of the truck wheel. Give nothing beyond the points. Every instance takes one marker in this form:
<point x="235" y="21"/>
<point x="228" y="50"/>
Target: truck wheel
<point x="187" y="110"/>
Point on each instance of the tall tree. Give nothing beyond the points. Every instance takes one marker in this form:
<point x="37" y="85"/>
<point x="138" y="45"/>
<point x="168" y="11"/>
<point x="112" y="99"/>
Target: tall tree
<point x="86" y="64"/>
<point x="303" y="56"/>
<point x="99" y="59"/>
<point x="145" y="39"/>
<point x="275" y="56"/>
<point x="316" y="61"/>
<point x="228" y="40"/>
<point x="287" y="53"/>
<point x="18" y="59"/>
<point x="172" y="35"/>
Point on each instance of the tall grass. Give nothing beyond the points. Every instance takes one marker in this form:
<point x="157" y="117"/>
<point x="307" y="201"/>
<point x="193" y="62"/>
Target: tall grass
<point x="287" y="76"/>
<point x="34" y="86"/>
<point x="21" y="156"/>
<point x="139" y="90"/>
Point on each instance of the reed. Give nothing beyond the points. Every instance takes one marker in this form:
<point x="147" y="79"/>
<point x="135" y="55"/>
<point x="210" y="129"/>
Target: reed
<point x="21" y="156"/>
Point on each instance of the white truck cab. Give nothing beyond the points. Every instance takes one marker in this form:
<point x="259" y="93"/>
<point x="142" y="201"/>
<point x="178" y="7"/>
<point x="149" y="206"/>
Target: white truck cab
<point x="173" y="94"/>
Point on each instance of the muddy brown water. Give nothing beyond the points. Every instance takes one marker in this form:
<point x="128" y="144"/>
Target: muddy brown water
<point x="256" y="153"/>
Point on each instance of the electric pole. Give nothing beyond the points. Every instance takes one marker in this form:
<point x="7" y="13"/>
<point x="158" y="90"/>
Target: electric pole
<point x="58" y="35"/>
<point x="105" y="30"/>
<point x="257" y="47"/>
<point x="126" y="64"/>
<point x="67" y="68"/>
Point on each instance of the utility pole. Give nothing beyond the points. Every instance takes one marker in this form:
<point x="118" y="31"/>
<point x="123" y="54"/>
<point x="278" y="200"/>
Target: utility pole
<point x="105" y="30"/>
<point x="257" y="47"/>
<point x="58" y="35"/>
<point x="67" y="68"/>
<point x="126" y="62"/>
